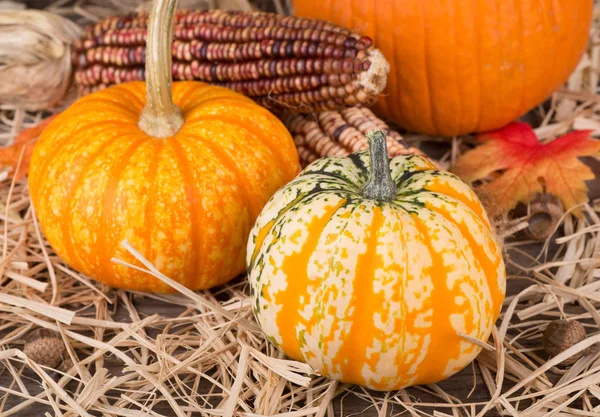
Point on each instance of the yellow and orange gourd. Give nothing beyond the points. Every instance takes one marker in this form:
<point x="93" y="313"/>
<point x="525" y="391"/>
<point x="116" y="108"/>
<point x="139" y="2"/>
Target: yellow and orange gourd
<point x="465" y="66"/>
<point x="180" y="172"/>
<point x="370" y="270"/>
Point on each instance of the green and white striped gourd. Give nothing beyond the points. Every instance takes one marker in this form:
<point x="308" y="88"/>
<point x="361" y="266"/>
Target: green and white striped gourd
<point x="370" y="269"/>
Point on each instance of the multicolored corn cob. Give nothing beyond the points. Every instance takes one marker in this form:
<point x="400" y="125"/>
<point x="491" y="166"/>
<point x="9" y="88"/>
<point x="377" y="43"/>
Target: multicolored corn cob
<point x="339" y="133"/>
<point x="297" y="64"/>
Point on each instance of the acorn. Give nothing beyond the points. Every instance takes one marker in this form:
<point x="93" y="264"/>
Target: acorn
<point x="45" y="347"/>
<point x="545" y="211"/>
<point x="66" y="365"/>
<point x="560" y="335"/>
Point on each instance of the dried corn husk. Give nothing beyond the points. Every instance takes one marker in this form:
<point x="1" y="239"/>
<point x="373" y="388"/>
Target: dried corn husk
<point x="11" y="5"/>
<point x="129" y="6"/>
<point x="35" y="58"/>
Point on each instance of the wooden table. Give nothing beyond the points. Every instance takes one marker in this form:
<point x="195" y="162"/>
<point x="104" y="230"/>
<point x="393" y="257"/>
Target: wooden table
<point x="459" y="385"/>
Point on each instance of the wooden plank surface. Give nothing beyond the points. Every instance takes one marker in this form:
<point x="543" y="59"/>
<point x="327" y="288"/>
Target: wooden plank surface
<point x="467" y="385"/>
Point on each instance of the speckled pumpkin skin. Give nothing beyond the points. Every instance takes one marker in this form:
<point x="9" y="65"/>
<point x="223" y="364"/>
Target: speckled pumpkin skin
<point x="376" y="293"/>
<point x="186" y="202"/>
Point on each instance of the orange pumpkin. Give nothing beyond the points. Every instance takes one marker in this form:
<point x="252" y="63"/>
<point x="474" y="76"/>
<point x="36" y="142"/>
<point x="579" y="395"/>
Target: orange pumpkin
<point x="465" y="66"/>
<point x="180" y="172"/>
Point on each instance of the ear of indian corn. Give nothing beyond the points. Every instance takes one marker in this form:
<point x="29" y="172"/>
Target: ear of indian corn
<point x="339" y="133"/>
<point x="297" y="64"/>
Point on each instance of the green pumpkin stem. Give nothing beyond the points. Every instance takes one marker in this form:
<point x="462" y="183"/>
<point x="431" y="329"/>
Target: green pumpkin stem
<point x="160" y="118"/>
<point x="380" y="185"/>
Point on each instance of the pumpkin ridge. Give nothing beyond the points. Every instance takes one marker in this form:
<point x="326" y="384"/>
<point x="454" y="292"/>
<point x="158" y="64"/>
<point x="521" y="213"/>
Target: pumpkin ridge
<point x="182" y="100"/>
<point x="361" y="167"/>
<point x="136" y="91"/>
<point x="462" y="249"/>
<point x="521" y="26"/>
<point x="432" y="367"/>
<point x="194" y="199"/>
<point x="338" y="167"/>
<point x="445" y="189"/>
<point x="347" y="173"/>
<point x="104" y="251"/>
<point x="263" y="232"/>
<point x="484" y="262"/>
<point x="395" y="88"/>
<point x="479" y="330"/>
<point x="55" y="143"/>
<point x="149" y="210"/>
<point x="65" y="222"/>
<point x="353" y="354"/>
<point x="329" y="176"/>
<point x="277" y="223"/>
<point x="131" y="90"/>
<point x="401" y="168"/>
<point x="200" y="102"/>
<point x="232" y="166"/>
<point x="296" y="265"/>
<point x="457" y="108"/>
<point x="254" y="131"/>
<point x="406" y="369"/>
<point x="477" y="24"/>
<point x="403" y="180"/>
<point x="302" y="197"/>
<point x="126" y="94"/>
<point x="324" y="292"/>
<point x="427" y="70"/>
<point x="125" y="111"/>
<point x="548" y="29"/>
<point x="40" y="162"/>
<point x="401" y="201"/>
<point x="401" y="352"/>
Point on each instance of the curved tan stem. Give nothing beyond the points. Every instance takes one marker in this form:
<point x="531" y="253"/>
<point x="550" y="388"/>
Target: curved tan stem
<point x="160" y="118"/>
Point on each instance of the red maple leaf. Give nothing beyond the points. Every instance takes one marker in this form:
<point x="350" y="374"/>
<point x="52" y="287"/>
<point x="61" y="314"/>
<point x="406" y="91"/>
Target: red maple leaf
<point x="528" y="166"/>
<point x="22" y="148"/>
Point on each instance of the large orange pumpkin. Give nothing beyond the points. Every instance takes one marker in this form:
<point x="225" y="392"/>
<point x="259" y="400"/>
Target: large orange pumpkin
<point x="181" y="174"/>
<point x="465" y="66"/>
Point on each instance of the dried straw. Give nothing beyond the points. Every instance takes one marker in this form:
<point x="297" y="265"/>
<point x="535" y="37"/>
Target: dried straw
<point x="202" y="353"/>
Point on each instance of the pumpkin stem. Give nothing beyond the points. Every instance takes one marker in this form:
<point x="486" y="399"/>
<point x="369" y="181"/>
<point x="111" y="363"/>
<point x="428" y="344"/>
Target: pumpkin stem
<point x="380" y="185"/>
<point x="160" y="118"/>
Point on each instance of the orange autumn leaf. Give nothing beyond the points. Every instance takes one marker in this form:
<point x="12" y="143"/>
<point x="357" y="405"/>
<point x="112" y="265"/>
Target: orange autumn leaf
<point x="23" y="145"/>
<point x="528" y="166"/>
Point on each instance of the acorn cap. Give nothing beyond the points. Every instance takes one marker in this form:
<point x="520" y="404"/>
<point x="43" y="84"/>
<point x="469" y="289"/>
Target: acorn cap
<point x="560" y="335"/>
<point x="546" y="211"/>
<point x="65" y="365"/>
<point x="45" y="347"/>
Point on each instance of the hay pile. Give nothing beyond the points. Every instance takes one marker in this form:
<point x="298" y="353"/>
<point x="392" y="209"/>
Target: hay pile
<point x="202" y="353"/>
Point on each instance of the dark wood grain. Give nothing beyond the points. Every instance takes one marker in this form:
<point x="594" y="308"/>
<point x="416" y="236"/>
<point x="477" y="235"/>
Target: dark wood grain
<point x="346" y="403"/>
